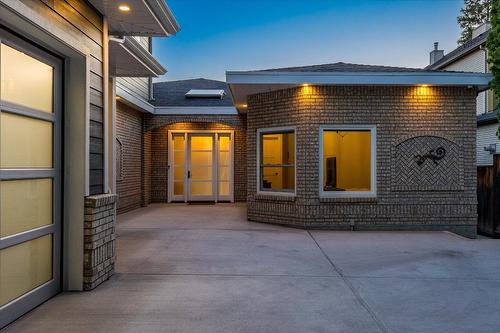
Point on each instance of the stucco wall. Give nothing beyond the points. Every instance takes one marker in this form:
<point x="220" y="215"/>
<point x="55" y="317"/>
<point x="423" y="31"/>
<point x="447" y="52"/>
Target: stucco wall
<point x="400" y="113"/>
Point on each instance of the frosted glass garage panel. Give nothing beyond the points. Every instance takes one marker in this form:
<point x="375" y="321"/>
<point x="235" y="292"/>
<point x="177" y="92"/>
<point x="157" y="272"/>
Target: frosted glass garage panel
<point x="24" y="267"/>
<point x="25" y="204"/>
<point x="26" y="81"/>
<point x="25" y="142"/>
<point x="178" y="142"/>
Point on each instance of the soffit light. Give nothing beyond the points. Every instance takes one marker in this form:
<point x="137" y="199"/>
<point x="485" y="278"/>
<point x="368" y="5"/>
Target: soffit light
<point x="124" y="8"/>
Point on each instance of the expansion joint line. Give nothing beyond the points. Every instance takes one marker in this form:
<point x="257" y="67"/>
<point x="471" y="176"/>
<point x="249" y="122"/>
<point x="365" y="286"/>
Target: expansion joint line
<point x="353" y="289"/>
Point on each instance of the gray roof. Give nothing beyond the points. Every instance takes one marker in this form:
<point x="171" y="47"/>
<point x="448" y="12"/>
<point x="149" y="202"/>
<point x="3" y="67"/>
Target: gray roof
<point x="487" y="118"/>
<point x="460" y="51"/>
<point x="172" y="93"/>
<point x="345" y="67"/>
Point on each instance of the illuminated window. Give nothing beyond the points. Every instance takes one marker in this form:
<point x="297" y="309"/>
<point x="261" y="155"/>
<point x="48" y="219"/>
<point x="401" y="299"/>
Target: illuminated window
<point x="347" y="156"/>
<point x="277" y="160"/>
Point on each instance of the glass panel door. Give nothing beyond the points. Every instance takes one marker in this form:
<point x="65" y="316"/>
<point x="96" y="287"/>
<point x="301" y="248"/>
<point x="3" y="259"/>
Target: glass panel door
<point x="179" y="166"/>
<point x="30" y="135"/>
<point x="225" y="167"/>
<point x="201" y="167"/>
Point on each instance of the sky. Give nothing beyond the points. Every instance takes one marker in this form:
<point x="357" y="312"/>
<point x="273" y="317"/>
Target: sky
<point x="222" y="35"/>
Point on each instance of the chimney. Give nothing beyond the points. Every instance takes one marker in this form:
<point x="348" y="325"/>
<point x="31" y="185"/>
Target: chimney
<point x="436" y="54"/>
<point x="482" y="28"/>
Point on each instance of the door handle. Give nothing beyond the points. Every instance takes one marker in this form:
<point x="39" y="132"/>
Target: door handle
<point x="189" y="173"/>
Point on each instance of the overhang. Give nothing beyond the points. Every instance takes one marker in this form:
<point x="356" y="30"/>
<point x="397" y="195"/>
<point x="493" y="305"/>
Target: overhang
<point x="129" y="58"/>
<point x="243" y="84"/>
<point x="144" y="17"/>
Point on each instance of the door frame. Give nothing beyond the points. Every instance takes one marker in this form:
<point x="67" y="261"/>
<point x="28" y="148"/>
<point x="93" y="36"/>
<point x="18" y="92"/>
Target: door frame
<point x="186" y="196"/>
<point x="26" y="302"/>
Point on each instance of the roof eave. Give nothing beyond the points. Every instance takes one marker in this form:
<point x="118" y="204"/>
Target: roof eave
<point x="150" y="67"/>
<point x="278" y="80"/>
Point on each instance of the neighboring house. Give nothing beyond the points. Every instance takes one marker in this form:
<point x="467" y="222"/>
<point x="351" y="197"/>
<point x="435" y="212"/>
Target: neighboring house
<point x="61" y="64"/>
<point x="472" y="57"/>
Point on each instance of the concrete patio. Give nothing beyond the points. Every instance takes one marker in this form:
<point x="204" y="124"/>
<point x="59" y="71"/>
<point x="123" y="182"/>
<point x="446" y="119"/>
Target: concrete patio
<point x="194" y="268"/>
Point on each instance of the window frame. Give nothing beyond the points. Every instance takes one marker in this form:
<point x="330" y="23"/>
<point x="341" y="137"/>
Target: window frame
<point x="373" y="162"/>
<point x="276" y="130"/>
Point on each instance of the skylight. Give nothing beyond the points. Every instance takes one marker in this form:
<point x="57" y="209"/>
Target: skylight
<point x="205" y="93"/>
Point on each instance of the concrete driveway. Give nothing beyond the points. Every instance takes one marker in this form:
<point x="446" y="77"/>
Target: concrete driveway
<point x="204" y="269"/>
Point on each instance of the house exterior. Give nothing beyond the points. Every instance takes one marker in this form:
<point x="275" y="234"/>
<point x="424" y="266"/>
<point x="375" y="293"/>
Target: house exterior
<point x="181" y="121"/>
<point x="63" y="63"/>
<point x="356" y="147"/>
<point x="472" y="57"/>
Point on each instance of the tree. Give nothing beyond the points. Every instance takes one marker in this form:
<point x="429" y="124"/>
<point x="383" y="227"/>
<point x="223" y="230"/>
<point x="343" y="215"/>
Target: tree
<point x="471" y="15"/>
<point x="493" y="47"/>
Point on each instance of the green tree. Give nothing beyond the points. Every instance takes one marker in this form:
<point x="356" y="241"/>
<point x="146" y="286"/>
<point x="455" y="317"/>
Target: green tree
<point x="471" y="15"/>
<point x="493" y="47"/>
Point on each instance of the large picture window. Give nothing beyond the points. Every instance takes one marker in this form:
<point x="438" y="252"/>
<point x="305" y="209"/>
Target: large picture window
<point x="276" y="163"/>
<point x="347" y="167"/>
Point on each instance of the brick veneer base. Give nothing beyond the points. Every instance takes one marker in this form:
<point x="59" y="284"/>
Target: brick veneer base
<point x="99" y="239"/>
<point x="433" y="199"/>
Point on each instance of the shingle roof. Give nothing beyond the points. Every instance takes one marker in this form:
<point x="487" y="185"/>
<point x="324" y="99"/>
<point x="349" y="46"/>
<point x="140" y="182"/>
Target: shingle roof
<point x="487" y="118"/>
<point x="460" y="51"/>
<point x="172" y="93"/>
<point x="345" y="67"/>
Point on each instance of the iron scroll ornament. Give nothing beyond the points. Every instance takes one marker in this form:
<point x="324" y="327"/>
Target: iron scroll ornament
<point x="434" y="155"/>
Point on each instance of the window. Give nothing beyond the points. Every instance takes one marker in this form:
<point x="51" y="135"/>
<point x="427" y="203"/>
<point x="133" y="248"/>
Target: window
<point x="347" y="167"/>
<point x="492" y="101"/>
<point x="119" y="159"/>
<point x="276" y="152"/>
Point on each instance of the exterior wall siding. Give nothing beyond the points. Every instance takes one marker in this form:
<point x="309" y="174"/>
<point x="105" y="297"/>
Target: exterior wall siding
<point x="398" y="112"/>
<point x="129" y="182"/>
<point x="473" y="62"/>
<point x="486" y="135"/>
<point x="159" y="127"/>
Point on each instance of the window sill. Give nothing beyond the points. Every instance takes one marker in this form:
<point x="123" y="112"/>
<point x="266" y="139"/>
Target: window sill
<point x="284" y="197"/>
<point x="348" y="199"/>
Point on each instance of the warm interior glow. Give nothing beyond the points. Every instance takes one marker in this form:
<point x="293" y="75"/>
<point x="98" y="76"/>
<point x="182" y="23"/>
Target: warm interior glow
<point x="278" y="161"/>
<point x="346" y="160"/>
<point x="124" y="8"/>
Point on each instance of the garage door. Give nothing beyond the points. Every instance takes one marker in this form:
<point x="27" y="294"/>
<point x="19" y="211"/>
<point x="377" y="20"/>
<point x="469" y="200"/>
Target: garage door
<point x="30" y="182"/>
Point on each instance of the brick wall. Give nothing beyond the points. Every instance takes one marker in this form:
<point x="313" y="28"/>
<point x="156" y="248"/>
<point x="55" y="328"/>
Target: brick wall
<point x="159" y="127"/>
<point x="129" y="180"/>
<point x="399" y="113"/>
<point x="99" y="240"/>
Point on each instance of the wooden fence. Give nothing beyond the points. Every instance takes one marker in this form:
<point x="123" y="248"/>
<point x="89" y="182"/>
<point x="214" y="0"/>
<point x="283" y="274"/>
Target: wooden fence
<point x="488" y="196"/>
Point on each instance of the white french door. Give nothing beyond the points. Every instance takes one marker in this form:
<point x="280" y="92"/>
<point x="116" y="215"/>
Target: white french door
<point x="200" y="166"/>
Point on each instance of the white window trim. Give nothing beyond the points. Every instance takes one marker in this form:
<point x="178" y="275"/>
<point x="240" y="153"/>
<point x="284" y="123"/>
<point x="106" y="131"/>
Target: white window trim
<point x="373" y="165"/>
<point x="272" y="130"/>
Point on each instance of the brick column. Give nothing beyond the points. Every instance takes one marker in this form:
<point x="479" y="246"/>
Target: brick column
<point x="99" y="239"/>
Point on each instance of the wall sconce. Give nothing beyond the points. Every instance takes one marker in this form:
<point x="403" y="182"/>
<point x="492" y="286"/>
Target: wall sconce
<point x="423" y="90"/>
<point x="491" y="148"/>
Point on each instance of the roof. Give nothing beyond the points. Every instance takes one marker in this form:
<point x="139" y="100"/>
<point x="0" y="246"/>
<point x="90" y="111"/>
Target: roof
<point x="245" y="83"/>
<point x="487" y="118"/>
<point x="460" y="51"/>
<point x="344" y="67"/>
<point x="173" y="93"/>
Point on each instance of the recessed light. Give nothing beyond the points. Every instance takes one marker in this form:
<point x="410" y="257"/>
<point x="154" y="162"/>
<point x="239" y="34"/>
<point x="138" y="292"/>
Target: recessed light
<point x="124" y="8"/>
